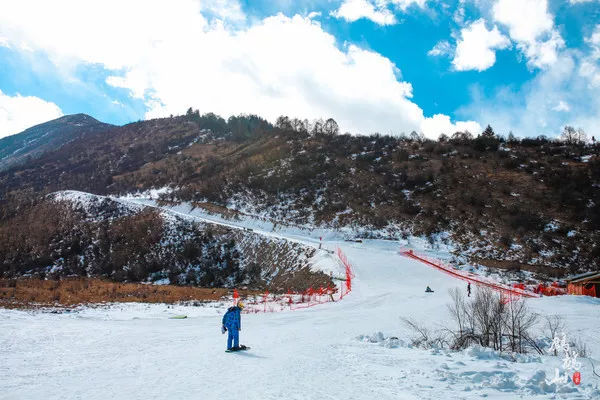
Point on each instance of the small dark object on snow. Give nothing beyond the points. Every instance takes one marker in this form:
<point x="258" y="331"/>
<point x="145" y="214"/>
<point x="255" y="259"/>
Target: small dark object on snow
<point x="234" y="349"/>
<point x="428" y="290"/>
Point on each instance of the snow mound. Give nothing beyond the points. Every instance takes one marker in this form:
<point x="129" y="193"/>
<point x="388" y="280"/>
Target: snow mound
<point x="391" y="342"/>
<point x="483" y="353"/>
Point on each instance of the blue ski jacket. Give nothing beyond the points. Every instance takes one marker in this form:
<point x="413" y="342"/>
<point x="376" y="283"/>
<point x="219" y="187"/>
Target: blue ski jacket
<point x="232" y="319"/>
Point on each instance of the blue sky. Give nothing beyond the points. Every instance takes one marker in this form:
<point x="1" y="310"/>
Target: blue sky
<point x="389" y="66"/>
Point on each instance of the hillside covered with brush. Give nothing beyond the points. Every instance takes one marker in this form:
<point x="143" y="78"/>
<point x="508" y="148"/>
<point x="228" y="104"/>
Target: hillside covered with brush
<point x="531" y="204"/>
<point x="77" y="234"/>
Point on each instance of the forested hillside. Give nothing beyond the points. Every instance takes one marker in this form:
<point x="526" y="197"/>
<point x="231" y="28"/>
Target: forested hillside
<point x="531" y="204"/>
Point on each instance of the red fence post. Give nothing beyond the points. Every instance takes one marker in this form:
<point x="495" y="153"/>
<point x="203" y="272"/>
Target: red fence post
<point x="348" y="279"/>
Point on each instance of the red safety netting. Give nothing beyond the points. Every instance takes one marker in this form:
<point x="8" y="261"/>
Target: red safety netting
<point x="507" y="291"/>
<point x="347" y="287"/>
<point x="552" y="290"/>
<point x="273" y="302"/>
<point x="582" y="290"/>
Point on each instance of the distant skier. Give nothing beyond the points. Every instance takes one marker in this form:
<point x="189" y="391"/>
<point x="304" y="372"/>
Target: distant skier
<point x="232" y="324"/>
<point x="468" y="289"/>
<point x="428" y="290"/>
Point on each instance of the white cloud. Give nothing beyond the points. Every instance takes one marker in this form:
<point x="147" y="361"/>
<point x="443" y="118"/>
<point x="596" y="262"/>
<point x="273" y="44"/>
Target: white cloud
<point x="561" y="106"/>
<point x="526" y="19"/>
<point x="378" y="11"/>
<point x="441" y="48"/>
<point x="225" y="9"/>
<point x="173" y="57"/>
<point x="590" y="67"/>
<point x="459" y="14"/>
<point x="594" y="42"/>
<point x="404" y="4"/>
<point x="353" y="10"/>
<point x="18" y="113"/>
<point x="532" y="109"/>
<point x="476" y="47"/>
<point x="543" y="53"/>
<point x="532" y="27"/>
<point x="440" y="123"/>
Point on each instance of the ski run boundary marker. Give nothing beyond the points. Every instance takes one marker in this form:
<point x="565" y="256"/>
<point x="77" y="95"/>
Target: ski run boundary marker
<point x="468" y="277"/>
<point x="270" y="302"/>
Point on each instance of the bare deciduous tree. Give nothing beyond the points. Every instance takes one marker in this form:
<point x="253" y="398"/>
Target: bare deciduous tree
<point x="490" y="321"/>
<point x="283" y="122"/>
<point x="570" y="135"/>
<point x="331" y="127"/>
<point x="317" y="127"/>
<point x="424" y="338"/>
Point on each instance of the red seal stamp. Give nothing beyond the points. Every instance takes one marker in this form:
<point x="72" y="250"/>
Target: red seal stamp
<point x="577" y="378"/>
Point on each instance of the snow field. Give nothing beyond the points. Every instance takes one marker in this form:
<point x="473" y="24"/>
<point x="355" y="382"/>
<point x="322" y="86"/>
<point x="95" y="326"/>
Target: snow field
<point x="330" y="351"/>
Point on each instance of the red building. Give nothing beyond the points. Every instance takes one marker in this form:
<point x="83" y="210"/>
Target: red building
<point x="587" y="284"/>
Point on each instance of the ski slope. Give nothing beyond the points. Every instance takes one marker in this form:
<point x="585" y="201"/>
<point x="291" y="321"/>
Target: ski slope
<point x="332" y="351"/>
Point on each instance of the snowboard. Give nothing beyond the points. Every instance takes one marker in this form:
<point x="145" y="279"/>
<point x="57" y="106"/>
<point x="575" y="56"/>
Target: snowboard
<point x="241" y="348"/>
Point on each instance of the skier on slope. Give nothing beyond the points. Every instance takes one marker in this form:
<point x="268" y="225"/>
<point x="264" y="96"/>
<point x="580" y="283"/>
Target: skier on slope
<point x="232" y="324"/>
<point x="468" y="289"/>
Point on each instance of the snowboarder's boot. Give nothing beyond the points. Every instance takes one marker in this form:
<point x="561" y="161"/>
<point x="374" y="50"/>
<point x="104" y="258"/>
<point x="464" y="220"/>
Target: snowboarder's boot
<point x="240" y="348"/>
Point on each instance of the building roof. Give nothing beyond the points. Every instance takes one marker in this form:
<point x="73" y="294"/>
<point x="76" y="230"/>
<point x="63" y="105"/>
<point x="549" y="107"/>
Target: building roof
<point x="584" y="277"/>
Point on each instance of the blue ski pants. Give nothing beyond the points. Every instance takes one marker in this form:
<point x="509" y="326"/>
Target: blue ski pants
<point x="233" y="335"/>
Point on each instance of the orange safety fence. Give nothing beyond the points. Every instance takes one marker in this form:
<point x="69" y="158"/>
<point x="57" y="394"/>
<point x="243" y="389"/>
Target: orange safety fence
<point x="552" y="290"/>
<point x="347" y="288"/>
<point x="517" y="289"/>
<point x="505" y="290"/>
<point x="271" y="302"/>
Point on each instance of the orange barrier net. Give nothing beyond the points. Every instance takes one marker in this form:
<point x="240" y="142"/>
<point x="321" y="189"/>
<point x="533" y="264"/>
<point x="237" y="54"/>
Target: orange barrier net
<point x="553" y="290"/>
<point x="270" y="302"/>
<point x="506" y="290"/>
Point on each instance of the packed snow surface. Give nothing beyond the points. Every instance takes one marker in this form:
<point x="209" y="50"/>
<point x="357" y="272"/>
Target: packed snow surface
<point x="354" y="349"/>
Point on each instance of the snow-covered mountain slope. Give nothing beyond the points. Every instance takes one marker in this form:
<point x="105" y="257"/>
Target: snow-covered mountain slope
<point x="83" y="234"/>
<point x="293" y="249"/>
<point x="330" y="351"/>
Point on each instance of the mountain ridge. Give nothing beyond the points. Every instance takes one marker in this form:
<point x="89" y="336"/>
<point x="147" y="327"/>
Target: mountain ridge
<point x="18" y="148"/>
<point x="530" y="204"/>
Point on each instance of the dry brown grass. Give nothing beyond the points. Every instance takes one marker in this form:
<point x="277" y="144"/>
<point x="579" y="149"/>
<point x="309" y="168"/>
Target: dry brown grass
<point x="28" y="293"/>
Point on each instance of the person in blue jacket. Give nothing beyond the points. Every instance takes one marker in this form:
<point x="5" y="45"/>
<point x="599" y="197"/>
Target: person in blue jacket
<point x="232" y="324"/>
